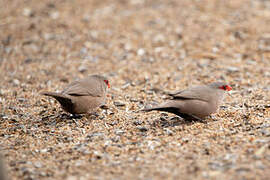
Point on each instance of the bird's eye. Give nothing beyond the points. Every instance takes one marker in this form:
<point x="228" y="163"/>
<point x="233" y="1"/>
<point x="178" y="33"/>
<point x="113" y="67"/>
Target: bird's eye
<point x="225" y="88"/>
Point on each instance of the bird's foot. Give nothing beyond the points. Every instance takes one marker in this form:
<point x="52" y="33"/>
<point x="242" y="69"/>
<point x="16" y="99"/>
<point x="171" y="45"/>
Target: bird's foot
<point x="194" y="118"/>
<point x="198" y="119"/>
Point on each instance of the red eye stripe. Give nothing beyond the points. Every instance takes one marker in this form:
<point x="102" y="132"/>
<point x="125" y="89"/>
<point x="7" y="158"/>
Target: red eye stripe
<point x="107" y="82"/>
<point x="222" y="87"/>
<point x="225" y="88"/>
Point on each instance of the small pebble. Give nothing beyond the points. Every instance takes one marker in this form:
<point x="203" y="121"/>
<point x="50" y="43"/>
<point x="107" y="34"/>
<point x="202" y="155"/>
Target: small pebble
<point x="38" y="164"/>
<point x="142" y="128"/>
<point x="119" y="103"/>
<point x="140" y="52"/>
<point x="137" y="122"/>
<point x="119" y="132"/>
<point x="232" y="69"/>
<point x="27" y="12"/>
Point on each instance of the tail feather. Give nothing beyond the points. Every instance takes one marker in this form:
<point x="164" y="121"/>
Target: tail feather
<point x="63" y="99"/>
<point x="151" y="109"/>
<point x="166" y="109"/>
<point x="53" y="94"/>
<point x="175" y="111"/>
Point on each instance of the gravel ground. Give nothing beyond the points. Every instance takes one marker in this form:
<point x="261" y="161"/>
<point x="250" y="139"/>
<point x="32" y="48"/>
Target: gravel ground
<point x="145" y="47"/>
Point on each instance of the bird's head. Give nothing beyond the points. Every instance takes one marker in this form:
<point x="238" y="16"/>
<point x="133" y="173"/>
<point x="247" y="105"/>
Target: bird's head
<point x="100" y="78"/>
<point x="107" y="83"/>
<point x="221" y="85"/>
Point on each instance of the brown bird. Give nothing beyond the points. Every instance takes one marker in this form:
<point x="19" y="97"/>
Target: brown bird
<point x="195" y="102"/>
<point x="83" y="95"/>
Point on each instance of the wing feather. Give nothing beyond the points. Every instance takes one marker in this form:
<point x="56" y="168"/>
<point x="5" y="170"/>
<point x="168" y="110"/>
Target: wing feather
<point x="192" y="93"/>
<point x="85" y="87"/>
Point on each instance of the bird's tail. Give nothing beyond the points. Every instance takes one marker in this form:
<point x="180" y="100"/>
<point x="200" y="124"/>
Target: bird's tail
<point x="162" y="107"/>
<point x="62" y="98"/>
<point x="53" y="94"/>
<point x="150" y="109"/>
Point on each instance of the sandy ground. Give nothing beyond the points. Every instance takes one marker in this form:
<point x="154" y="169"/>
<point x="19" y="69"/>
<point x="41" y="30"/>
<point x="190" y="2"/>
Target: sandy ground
<point x="145" y="47"/>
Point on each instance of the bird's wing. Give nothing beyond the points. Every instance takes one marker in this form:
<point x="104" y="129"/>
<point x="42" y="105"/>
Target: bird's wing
<point x="84" y="88"/>
<point x="192" y="93"/>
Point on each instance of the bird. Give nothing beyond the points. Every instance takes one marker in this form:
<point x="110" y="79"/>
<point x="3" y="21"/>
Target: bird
<point x="83" y="95"/>
<point x="194" y="103"/>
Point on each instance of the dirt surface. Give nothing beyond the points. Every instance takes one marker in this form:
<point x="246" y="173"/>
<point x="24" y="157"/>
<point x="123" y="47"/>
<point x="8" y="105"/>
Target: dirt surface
<point x="145" y="47"/>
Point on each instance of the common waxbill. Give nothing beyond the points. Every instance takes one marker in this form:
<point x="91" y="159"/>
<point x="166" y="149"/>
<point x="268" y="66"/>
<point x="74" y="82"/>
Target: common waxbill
<point x="196" y="102"/>
<point x="83" y="95"/>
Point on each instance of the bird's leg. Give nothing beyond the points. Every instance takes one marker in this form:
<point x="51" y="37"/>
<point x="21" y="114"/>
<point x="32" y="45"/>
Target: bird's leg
<point x="191" y="117"/>
<point x="197" y="118"/>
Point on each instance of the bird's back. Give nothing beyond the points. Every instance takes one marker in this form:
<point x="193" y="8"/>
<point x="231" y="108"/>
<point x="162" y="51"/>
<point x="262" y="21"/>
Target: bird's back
<point x="88" y="86"/>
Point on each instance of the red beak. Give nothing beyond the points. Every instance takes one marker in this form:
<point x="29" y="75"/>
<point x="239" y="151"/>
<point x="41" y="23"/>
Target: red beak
<point x="228" y="88"/>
